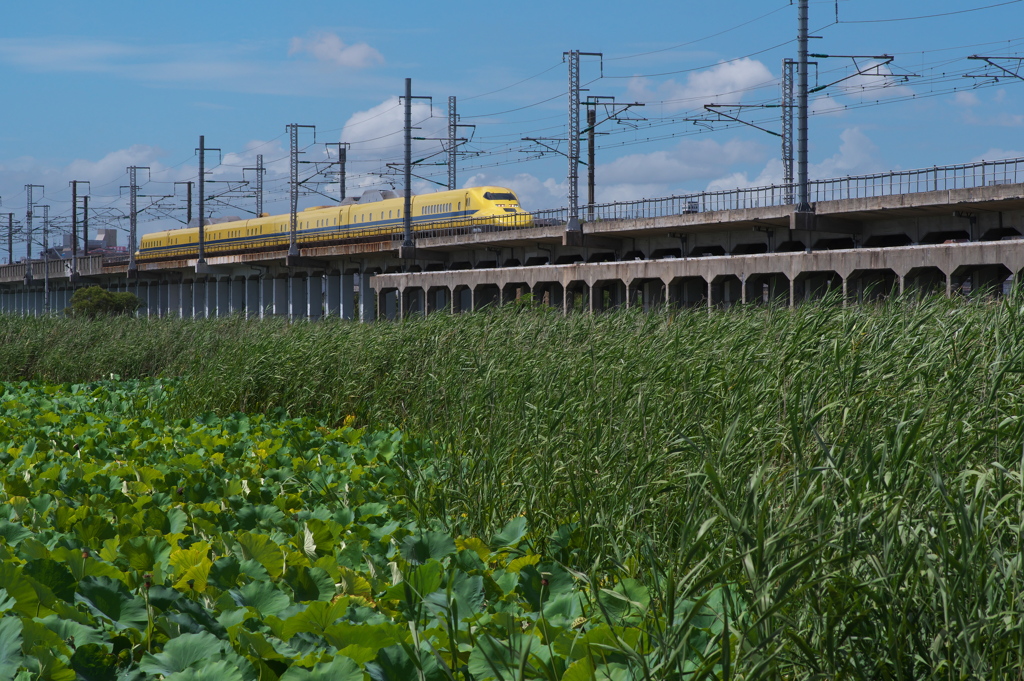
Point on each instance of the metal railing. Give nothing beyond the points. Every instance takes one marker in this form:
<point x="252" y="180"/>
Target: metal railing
<point x="937" y="178"/>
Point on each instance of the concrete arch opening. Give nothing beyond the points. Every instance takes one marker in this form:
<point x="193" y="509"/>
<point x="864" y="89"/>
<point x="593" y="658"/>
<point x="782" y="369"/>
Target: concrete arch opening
<point x="516" y="292"/>
<point x="767" y="289"/>
<point x="486" y="295"/>
<point x="952" y="237"/>
<point x="462" y="299"/>
<point x="1001" y="233"/>
<point x="662" y="253"/>
<point x="549" y="293"/>
<point x="750" y="248"/>
<point x="888" y="241"/>
<point x="688" y="292"/>
<point x="865" y="286"/>
<point x="607" y="294"/>
<point x="387" y="304"/>
<point x="701" y="251"/>
<point x="791" y="246"/>
<point x="568" y="259"/>
<point x="816" y="286"/>
<point x="979" y="280"/>
<point x="924" y="281"/>
<point x="577" y="297"/>
<point x="835" y="244"/>
<point x="439" y="299"/>
<point x="726" y="291"/>
<point x="601" y="256"/>
<point x="414" y="301"/>
<point x="647" y="294"/>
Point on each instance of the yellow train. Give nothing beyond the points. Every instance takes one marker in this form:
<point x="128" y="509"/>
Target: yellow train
<point x="375" y="214"/>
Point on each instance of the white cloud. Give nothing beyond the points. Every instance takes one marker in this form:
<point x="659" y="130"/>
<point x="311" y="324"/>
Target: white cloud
<point x="996" y="154"/>
<point x="826" y="106"/>
<point x="857" y="155"/>
<point x="725" y="83"/>
<point x="378" y="132"/>
<point x="688" y="160"/>
<point x="329" y="48"/>
<point x="968" y="99"/>
<point x="224" y="67"/>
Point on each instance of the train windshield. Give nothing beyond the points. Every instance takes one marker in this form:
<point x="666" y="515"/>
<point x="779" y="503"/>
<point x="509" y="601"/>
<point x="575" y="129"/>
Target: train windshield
<point x="500" y="196"/>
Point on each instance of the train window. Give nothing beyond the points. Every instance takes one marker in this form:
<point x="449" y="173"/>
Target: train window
<point x="460" y="206"/>
<point x="500" y="196"/>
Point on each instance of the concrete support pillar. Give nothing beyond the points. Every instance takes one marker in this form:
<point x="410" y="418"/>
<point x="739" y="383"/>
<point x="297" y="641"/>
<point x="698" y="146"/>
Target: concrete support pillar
<point x="281" y="298"/>
<point x="223" y="299"/>
<point x="332" y="295"/>
<point x="389" y="304"/>
<point x="367" y="311"/>
<point x="252" y="298"/>
<point x="298" y="303"/>
<point x="199" y="299"/>
<point x="185" y="297"/>
<point x="347" y="301"/>
<point x="173" y="307"/>
<point x="162" y="307"/>
<point x="236" y="296"/>
<point x="315" y="296"/>
<point x="266" y="296"/>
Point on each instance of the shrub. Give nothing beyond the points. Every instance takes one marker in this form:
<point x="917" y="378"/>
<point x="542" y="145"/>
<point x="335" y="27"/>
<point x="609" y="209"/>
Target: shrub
<point x="93" y="301"/>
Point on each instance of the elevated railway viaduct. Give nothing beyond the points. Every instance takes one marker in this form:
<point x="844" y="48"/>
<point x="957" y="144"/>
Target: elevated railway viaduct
<point x="953" y="229"/>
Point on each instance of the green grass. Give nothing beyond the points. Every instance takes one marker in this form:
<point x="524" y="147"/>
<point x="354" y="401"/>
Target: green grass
<point x="853" y="475"/>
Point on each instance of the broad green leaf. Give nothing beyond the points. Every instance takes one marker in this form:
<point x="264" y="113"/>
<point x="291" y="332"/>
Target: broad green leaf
<point x="13" y="533"/>
<point x="511" y="534"/>
<point x="394" y="663"/>
<point x="145" y="553"/>
<point x="10" y="646"/>
<point x="221" y="670"/>
<point x="315" y="619"/>
<point x="264" y="596"/>
<point x="419" y="548"/>
<point x="109" y="598"/>
<point x="310" y="584"/>
<point x="263" y="550"/>
<point x="54" y="576"/>
<point x="338" y="669"/>
<point x="180" y="653"/>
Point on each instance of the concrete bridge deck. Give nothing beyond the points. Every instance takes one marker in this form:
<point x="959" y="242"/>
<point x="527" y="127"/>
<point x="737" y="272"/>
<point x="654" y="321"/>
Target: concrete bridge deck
<point x="715" y="249"/>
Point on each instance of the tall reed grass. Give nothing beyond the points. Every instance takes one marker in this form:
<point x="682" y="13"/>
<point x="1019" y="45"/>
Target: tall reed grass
<point x="849" y="478"/>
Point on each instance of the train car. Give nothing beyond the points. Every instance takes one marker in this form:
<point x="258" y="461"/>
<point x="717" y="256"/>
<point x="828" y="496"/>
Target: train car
<point x="375" y="214"/>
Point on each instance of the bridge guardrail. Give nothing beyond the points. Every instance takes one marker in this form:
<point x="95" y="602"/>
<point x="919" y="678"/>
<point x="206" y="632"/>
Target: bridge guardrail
<point x="936" y="178"/>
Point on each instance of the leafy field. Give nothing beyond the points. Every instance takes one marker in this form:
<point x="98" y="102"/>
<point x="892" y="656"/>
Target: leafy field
<point x="250" y="548"/>
<point x="831" y="493"/>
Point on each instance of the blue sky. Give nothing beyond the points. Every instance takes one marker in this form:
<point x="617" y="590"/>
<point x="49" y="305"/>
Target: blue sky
<point x="90" y="89"/>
